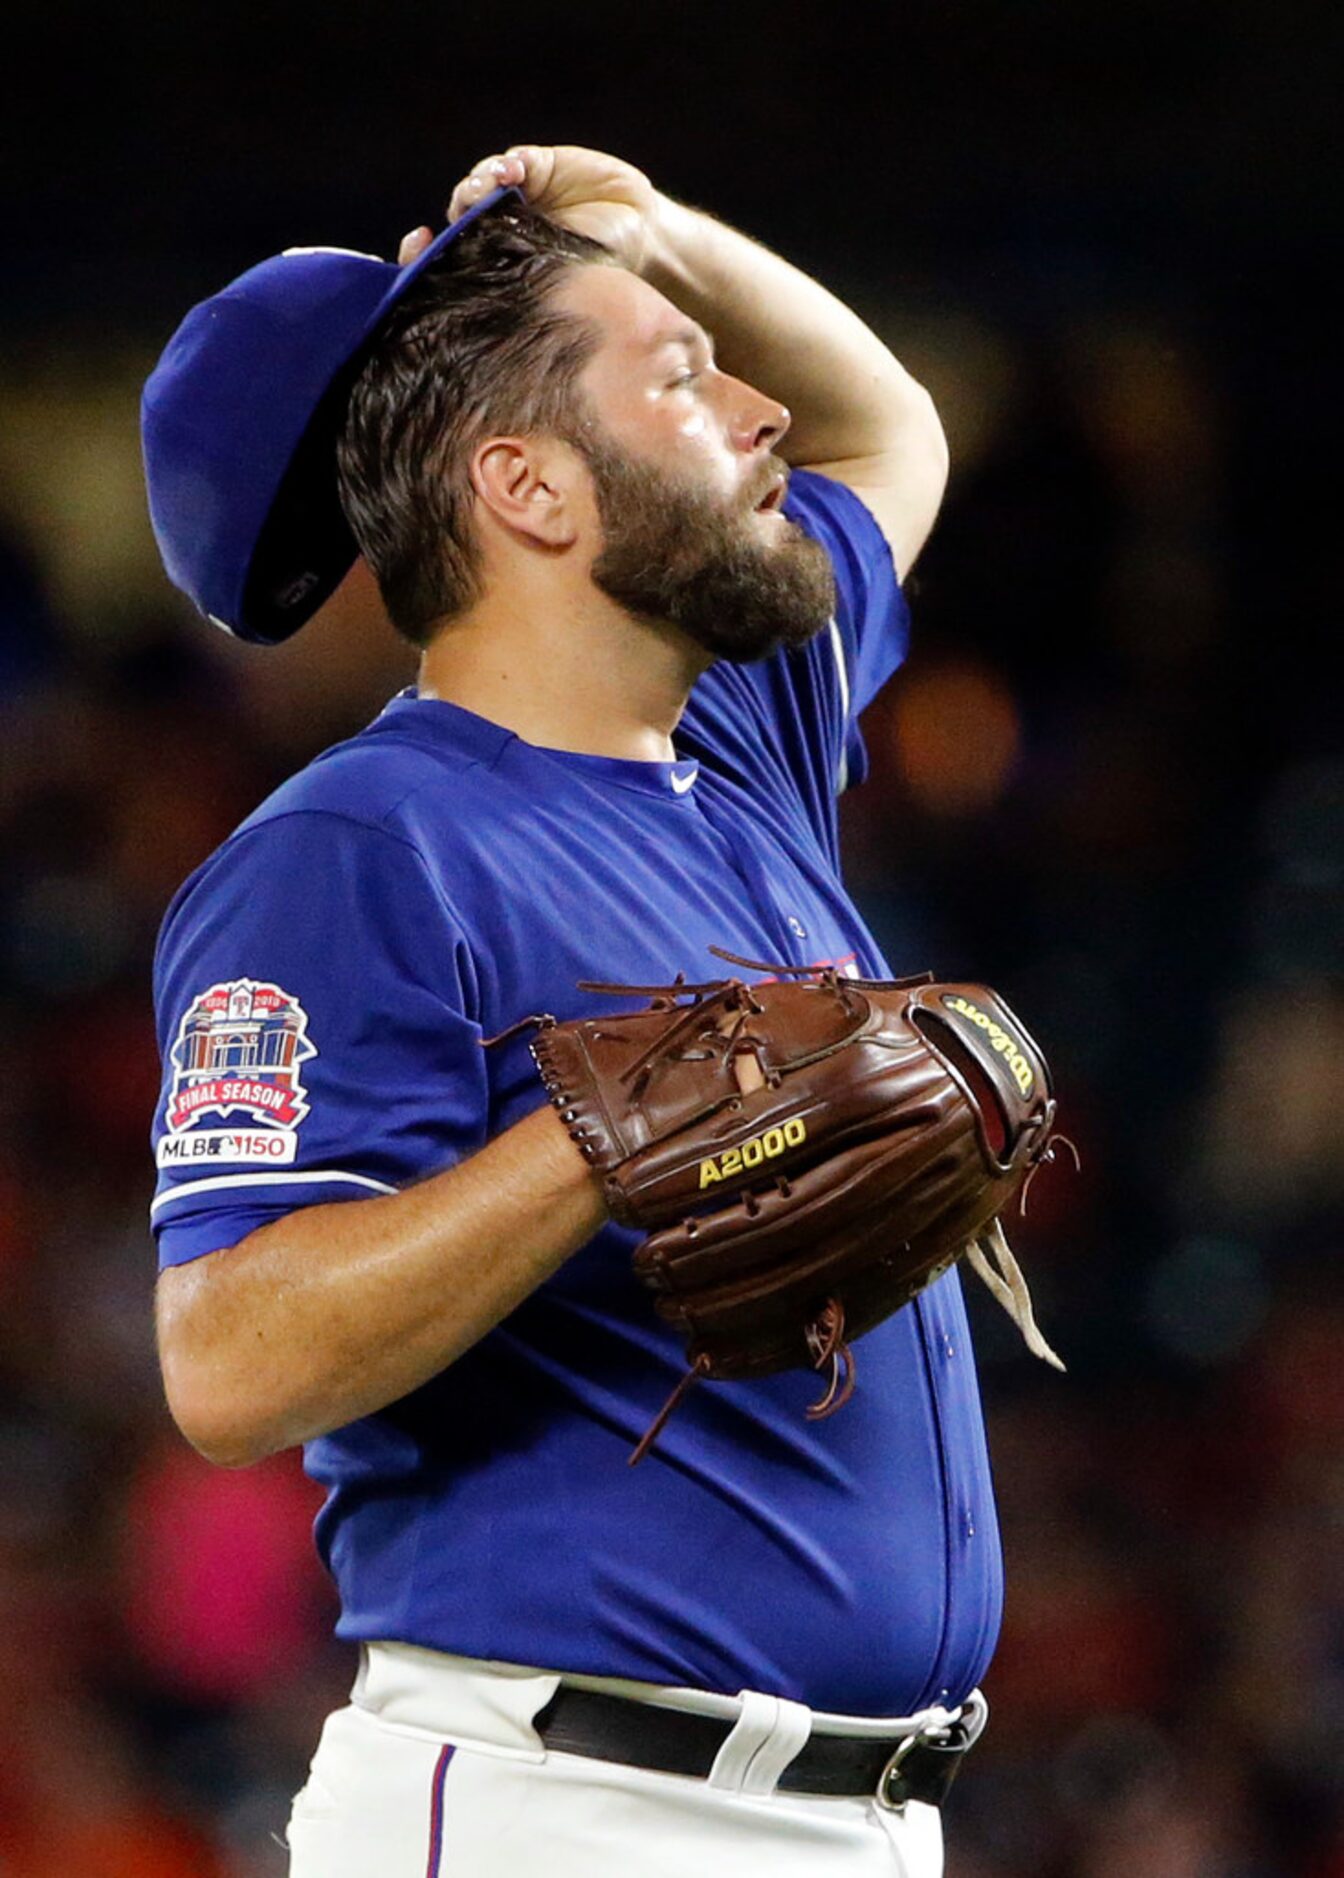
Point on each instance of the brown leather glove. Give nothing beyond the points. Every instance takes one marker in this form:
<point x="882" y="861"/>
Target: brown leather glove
<point x="805" y="1156"/>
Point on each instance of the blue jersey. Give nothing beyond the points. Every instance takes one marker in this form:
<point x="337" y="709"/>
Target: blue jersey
<point x="324" y="983"/>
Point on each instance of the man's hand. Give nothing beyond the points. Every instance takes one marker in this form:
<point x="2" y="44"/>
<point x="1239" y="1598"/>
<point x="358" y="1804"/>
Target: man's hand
<point x="595" y="195"/>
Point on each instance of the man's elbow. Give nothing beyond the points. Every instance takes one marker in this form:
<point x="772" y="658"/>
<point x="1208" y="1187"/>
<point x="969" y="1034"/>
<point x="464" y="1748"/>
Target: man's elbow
<point x="219" y="1427"/>
<point x="216" y="1403"/>
<point x="919" y="440"/>
<point x="902" y="485"/>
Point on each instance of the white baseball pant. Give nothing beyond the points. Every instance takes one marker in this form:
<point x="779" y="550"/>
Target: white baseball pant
<point x="435" y="1771"/>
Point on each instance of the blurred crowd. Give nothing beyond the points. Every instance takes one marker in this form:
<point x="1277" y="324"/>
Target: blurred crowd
<point x="1106" y="785"/>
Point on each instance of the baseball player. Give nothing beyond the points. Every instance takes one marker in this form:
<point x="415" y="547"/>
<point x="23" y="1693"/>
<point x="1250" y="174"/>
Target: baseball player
<point x="642" y="493"/>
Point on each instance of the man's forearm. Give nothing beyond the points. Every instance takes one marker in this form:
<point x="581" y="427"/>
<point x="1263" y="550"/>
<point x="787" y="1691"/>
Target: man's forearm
<point x="784" y="332"/>
<point x="335" y="1311"/>
<point x="852" y="403"/>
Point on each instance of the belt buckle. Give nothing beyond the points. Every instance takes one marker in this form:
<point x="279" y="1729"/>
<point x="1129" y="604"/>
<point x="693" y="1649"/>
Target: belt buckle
<point x="889" y="1773"/>
<point x="970" y="1719"/>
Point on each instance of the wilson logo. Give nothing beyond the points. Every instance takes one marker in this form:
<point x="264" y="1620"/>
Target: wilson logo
<point x="998" y="1039"/>
<point x="754" y="1153"/>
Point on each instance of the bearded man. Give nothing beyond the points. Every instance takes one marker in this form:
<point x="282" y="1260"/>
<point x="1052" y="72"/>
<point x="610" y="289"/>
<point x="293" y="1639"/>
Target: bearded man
<point x="642" y="493"/>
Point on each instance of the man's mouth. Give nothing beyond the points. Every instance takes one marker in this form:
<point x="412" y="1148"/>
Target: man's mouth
<point x="774" y="494"/>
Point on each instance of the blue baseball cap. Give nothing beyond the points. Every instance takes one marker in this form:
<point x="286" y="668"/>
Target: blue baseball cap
<point x="239" y="421"/>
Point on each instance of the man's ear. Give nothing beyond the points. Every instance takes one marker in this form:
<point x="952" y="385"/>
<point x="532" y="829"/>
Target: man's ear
<point x="529" y="485"/>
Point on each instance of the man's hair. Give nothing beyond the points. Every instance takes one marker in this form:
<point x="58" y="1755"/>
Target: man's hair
<point x="475" y="347"/>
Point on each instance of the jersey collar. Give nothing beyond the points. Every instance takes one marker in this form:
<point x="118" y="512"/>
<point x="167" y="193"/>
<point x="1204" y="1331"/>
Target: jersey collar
<point x="448" y="725"/>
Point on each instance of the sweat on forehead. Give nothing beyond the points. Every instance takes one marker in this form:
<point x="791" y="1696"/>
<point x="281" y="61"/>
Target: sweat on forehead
<point x="632" y="313"/>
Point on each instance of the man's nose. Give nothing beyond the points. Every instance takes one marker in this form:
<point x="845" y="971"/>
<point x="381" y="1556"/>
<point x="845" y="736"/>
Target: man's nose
<point x="759" y="421"/>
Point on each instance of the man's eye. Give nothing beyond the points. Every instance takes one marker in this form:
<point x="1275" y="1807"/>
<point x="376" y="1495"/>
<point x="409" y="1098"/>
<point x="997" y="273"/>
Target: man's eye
<point x="687" y="378"/>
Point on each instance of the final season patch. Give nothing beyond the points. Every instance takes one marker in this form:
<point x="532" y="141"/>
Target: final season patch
<point x="238" y="1052"/>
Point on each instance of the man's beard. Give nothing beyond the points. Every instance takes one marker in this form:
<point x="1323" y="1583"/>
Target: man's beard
<point x="684" y="558"/>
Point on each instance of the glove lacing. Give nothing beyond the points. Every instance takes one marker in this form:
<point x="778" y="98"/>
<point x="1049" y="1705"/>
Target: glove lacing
<point x="826" y="1344"/>
<point x="1009" y="1287"/>
<point x="733" y="995"/>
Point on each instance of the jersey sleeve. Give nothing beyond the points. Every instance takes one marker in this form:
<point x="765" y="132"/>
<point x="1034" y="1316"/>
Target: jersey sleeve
<point x="315" y="998"/>
<point x="869" y="635"/>
<point x="793" y="718"/>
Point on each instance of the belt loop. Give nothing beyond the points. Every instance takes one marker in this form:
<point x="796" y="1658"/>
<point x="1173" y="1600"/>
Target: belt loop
<point x="748" y="1734"/>
<point x="793" y="1729"/>
<point x="357" y="1694"/>
<point x="768" y="1733"/>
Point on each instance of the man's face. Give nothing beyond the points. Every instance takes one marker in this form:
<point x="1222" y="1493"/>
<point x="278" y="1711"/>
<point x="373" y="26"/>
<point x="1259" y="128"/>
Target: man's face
<point x="687" y="484"/>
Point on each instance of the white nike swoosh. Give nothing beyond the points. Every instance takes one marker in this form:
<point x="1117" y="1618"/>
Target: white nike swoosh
<point x="682" y="783"/>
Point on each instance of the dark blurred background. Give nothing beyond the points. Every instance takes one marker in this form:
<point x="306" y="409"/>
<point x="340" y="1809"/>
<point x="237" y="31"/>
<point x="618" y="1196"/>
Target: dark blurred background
<point x="1109" y="782"/>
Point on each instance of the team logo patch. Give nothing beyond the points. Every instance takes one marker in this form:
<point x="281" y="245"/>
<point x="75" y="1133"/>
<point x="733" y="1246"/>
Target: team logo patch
<point x="236" y="1061"/>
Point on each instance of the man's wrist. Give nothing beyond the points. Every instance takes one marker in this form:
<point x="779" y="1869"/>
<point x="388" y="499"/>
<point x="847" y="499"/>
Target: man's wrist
<point x="669" y="240"/>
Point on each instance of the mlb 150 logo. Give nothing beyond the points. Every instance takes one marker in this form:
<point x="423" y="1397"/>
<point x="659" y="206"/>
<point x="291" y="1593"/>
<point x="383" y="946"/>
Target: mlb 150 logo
<point x="276" y="1145"/>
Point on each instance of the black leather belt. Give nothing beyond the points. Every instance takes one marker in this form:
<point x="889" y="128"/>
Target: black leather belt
<point x="670" y="1741"/>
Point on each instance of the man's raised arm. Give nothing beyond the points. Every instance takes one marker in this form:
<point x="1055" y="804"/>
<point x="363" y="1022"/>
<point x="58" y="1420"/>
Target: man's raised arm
<point x="858" y="416"/>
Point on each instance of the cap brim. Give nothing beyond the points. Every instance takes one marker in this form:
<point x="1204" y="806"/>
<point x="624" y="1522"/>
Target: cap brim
<point x="304" y="548"/>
